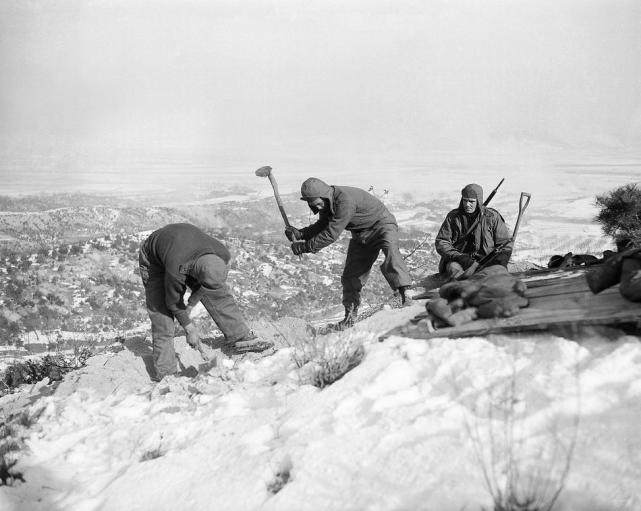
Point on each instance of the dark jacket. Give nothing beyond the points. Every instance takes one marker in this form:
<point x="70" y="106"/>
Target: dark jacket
<point x="489" y="232"/>
<point x="173" y="249"/>
<point x="350" y="208"/>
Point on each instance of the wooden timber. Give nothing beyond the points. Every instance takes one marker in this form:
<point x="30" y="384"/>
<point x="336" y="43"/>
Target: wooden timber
<point x="558" y="300"/>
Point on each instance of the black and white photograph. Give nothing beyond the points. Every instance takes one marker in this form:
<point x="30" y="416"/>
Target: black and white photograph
<point x="320" y="255"/>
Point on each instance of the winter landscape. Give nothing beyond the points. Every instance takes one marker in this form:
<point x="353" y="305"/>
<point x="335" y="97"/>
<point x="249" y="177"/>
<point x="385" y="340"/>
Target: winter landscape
<point x="406" y="100"/>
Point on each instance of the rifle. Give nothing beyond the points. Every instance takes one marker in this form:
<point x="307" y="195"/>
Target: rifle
<point x="461" y="241"/>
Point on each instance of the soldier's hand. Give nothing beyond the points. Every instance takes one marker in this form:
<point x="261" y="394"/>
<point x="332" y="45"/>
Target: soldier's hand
<point x="465" y="261"/>
<point x="292" y="233"/>
<point x="469" y="272"/>
<point x="193" y="335"/>
<point x="298" y="247"/>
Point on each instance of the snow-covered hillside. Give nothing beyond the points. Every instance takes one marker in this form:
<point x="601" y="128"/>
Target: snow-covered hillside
<point x="414" y="426"/>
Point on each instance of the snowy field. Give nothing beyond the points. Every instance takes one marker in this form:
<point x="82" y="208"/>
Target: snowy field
<point x="418" y="425"/>
<point x="412" y="427"/>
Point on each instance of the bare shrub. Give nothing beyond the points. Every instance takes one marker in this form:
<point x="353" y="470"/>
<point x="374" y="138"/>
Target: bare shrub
<point x="12" y="434"/>
<point x="521" y="471"/>
<point x="324" y="359"/>
<point x="53" y="367"/>
<point x="281" y="478"/>
<point x="152" y="454"/>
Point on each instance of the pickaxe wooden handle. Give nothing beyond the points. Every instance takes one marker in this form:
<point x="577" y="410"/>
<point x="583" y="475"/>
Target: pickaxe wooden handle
<point x="266" y="171"/>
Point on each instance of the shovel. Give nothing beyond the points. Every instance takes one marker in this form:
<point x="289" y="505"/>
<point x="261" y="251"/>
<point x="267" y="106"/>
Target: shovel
<point x="524" y="201"/>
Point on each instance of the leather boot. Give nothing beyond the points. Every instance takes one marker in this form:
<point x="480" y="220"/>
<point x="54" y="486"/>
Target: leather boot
<point x="351" y="312"/>
<point x="406" y="299"/>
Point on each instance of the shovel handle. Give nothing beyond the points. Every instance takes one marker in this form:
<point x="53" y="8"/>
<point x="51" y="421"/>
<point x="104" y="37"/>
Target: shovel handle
<point x="524" y="202"/>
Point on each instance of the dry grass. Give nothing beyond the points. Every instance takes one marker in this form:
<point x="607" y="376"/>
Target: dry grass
<point x="53" y="367"/>
<point x="281" y="477"/>
<point x="12" y="435"/>
<point x="324" y="359"/>
<point x="521" y="471"/>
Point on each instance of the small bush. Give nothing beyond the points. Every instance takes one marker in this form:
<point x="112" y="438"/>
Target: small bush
<point x="521" y="472"/>
<point x="9" y="476"/>
<point x="278" y="483"/>
<point x="620" y="214"/>
<point x="152" y="454"/>
<point x="282" y="476"/>
<point x="324" y="359"/>
<point x="49" y="366"/>
<point x="11" y="441"/>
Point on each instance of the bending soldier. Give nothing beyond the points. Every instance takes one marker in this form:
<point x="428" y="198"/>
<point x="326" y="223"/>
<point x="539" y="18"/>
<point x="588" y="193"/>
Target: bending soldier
<point x="181" y="256"/>
<point x="469" y="233"/>
<point x="373" y="229"/>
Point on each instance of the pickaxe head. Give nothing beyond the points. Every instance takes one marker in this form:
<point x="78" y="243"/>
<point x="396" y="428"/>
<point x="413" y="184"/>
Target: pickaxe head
<point x="264" y="171"/>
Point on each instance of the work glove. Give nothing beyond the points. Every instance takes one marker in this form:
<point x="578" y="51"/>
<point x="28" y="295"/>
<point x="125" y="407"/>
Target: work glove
<point x="299" y="247"/>
<point x="501" y="258"/>
<point x="292" y="233"/>
<point x="193" y="335"/>
<point x="465" y="261"/>
<point x="469" y="272"/>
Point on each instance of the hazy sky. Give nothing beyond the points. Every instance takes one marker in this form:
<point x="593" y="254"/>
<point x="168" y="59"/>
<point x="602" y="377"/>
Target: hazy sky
<point x="84" y="84"/>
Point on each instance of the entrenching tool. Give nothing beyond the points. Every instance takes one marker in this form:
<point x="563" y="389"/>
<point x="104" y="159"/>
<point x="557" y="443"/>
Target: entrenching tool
<point x="524" y="201"/>
<point x="436" y="280"/>
<point x="522" y="207"/>
<point x="266" y="171"/>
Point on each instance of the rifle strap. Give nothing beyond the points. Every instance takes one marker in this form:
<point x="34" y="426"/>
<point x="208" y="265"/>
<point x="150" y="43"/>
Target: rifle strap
<point x="469" y="231"/>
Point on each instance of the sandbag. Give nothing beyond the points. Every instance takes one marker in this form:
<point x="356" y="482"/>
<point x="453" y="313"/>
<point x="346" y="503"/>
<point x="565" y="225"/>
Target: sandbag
<point x="457" y="305"/>
<point x="458" y="289"/>
<point x="609" y="273"/>
<point x="490" y="293"/>
<point x="571" y="260"/>
<point x="462" y="317"/>
<point x="630" y="286"/>
<point x="496" y="286"/>
<point x="503" y="307"/>
<point x="488" y="271"/>
<point x="439" y="308"/>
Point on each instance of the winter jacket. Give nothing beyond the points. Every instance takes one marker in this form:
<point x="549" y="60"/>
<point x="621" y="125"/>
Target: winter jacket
<point x="173" y="250"/>
<point x="489" y="232"/>
<point x="350" y="208"/>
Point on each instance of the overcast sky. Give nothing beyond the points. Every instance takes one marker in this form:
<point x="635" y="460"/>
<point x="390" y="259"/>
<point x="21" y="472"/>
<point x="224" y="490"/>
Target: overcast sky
<point x="92" y="82"/>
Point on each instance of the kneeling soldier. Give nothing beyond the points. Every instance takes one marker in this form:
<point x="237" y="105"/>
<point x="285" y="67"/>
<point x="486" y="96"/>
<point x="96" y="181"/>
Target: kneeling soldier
<point x="469" y="233"/>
